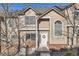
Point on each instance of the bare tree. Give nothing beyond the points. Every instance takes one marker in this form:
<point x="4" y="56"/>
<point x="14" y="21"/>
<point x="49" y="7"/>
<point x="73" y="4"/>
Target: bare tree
<point x="72" y="22"/>
<point x="6" y="11"/>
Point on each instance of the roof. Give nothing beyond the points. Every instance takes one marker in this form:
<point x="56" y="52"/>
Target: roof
<point x="37" y="10"/>
<point x="60" y="12"/>
<point x="40" y="11"/>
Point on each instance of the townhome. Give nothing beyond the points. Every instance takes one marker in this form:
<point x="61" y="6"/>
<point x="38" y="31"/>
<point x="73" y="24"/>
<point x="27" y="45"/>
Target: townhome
<point x="33" y="29"/>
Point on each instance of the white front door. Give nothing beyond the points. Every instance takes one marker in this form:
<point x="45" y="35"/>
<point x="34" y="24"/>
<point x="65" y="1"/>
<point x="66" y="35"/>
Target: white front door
<point x="43" y="39"/>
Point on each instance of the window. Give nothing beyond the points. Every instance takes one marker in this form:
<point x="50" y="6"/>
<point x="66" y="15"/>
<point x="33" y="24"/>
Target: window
<point x="77" y="14"/>
<point x="30" y="20"/>
<point x="77" y="31"/>
<point x="31" y="36"/>
<point x="58" y="28"/>
<point x="27" y="36"/>
<point x="14" y="36"/>
<point x="11" y="22"/>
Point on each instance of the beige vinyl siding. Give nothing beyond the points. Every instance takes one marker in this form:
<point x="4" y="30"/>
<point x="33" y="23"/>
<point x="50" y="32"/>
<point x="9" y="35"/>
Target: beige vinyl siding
<point x="30" y="42"/>
<point x="44" y="24"/>
<point x="22" y="24"/>
<point x="54" y="17"/>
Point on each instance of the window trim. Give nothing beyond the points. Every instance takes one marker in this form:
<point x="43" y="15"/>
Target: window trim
<point x="11" y="22"/>
<point x="31" y="36"/>
<point x="56" y="24"/>
<point x="77" y="14"/>
<point x="29" y="22"/>
<point x="53" y="29"/>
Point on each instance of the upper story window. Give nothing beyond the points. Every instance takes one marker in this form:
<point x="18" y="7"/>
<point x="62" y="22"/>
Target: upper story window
<point x="31" y="36"/>
<point x="11" y="22"/>
<point x="30" y="20"/>
<point x="58" y="28"/>
<point x="77" y="14"/>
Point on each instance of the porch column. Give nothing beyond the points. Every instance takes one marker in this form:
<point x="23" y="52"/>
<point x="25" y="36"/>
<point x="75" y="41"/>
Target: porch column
<point x="36" y="33"/>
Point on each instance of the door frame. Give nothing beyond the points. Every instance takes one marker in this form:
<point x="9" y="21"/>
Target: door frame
<point x="41" y="39"/>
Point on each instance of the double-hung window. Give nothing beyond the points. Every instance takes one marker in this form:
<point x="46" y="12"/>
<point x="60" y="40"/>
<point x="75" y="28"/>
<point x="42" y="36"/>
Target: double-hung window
<point x="30" y="20"/>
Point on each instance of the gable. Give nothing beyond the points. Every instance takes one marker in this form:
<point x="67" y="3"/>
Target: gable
<point x="30" y="12"/>
<point x="52" y="14"/>
<point x="54" y="11"/>
<point x="38" y="11"/>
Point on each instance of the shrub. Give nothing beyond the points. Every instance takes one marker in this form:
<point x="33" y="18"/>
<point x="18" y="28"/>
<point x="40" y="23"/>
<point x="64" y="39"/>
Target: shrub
<point x="70" y="53"/>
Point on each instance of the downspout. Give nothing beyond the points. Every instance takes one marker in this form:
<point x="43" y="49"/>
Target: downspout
<point x="73" y="28"/>
<point x="18" y="37"/>
<point x="36" y="33"/>
<point x="0" y="35"/>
